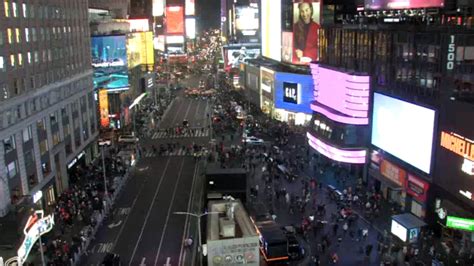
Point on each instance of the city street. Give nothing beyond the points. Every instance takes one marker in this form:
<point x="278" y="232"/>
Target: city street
<point x="143" y="229"/>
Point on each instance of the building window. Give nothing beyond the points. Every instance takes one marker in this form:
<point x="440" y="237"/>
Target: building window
<point x="11" y="169"/>
<point x="33" y="34"/>
<point x="17" y="35"/>
<point x="15" y="10"/>
<point x="1" y="37"/>
<point x="56" y="139"/>
<point x="2" y="64"/>
<point x="25" y="11"/>
<point x="29" y="57"/>
<point x="27" y="134"/>
<point x="27" y="35"/>
<point x="9" y="144"/>
<point x="12" y="60"/>
<point x="7" y="8"/>
<point x="40" y="124"/>
<point x="43" y="146"/>
<point x="10" y="35"/>
<point x="29" y="158"/>
<point x="36" y="57"/>
<point x="20" y="59"/>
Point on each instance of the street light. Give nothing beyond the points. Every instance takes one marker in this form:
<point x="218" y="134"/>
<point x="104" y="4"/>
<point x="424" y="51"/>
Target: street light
<point x="102" y="144"/>
<point x="198" y="216"/>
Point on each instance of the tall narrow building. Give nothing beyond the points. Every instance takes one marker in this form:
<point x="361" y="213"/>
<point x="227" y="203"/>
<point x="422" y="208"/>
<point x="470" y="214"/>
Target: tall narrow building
<point x="47" y="108"/>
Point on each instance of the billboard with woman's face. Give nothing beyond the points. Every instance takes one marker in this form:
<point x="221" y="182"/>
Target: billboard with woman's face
<point x="306" y="19"/>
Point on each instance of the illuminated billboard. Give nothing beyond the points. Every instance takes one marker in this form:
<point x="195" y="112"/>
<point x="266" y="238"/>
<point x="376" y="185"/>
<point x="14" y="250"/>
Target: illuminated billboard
<point x="347" y="94"/>
<point x="401" y="4"/>
<point x="247" y="20"/>
<point x="139" y="25"/>
<point x="140" y="49"/>
<point x="271" y="29"/>
<point x="189" y="8"/>
<point x="174" y="20"/>
<point x="287" y="46"/>
<point x="355" y="156"/>
<point x="404" y="130"/>
<point x="191" y="28"/>
<point x="306" y="19"/>
<point x="159" y="43"/>
<point x="234" y="57"/>
<point x="104" y="108"/>
<point x="454" y="170"/>
<point x="158" y="8"/>
<point x="293" y="92"/>
<point x="109" y="61"/>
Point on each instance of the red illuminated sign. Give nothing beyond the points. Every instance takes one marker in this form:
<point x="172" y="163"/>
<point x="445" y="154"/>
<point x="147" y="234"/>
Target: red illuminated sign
<point x="174" y="20"/>
<point x="417" y="188"/>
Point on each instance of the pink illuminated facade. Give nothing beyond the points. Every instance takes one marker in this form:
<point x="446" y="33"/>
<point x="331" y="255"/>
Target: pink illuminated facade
<point x="339" y="128"/>
<point x="345" y="97"/>
<point x="340" y="155"/>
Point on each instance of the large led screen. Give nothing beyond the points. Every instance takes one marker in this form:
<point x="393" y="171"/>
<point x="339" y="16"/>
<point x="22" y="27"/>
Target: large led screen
<point x="455" y="150"/>
<point x="404" y="130"/>
<point x="306" y="19"/>
<point x="347" y="96"/>
<point x="109" y="61"/>
<point x="189" y="8"/>
<point x="191" y="28"/>
<point x="402" y="4"/>
<point x="140" y="49"/>
<point x="246" y="20"/>
<point x="271" y="29"/>
<point x="293" y="92"/>
<point x="174" y="20"/>
<point x="235" y="57"/>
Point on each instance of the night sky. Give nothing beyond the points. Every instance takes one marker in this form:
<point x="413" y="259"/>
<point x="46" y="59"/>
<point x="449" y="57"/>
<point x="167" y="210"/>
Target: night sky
<point x="207" y="14"/>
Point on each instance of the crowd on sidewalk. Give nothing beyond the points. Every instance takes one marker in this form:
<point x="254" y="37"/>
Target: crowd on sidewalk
<point x="289" y="178"/>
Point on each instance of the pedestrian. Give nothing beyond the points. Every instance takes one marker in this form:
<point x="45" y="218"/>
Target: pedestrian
<point x="345" y="227"/>
<point x="334" y="258"/>
<point x="334" y="228"/>
<point x="365" y="233"/>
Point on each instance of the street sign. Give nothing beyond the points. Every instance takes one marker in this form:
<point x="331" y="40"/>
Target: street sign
<point x="36" y="226"/>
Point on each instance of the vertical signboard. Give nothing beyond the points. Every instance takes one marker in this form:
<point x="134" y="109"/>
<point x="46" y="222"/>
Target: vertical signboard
<point x="271" y="29"/>
<point x="174" y="20"/>
<point x="104" y="108"/>
<point x="191" y="28"/>
<point x="189" y="8"/>
<point x="158" y="8"/>
<point x="306" y="20"/>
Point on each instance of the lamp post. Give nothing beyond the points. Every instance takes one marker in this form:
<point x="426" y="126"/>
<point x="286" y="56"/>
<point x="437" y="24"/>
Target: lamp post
<point x="198" y="216"/>
<point x="102" y="145"/>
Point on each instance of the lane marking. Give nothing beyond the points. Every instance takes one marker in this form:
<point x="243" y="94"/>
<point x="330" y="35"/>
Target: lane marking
<point x="113" y="225"/>
<point x="169" y="211"/>
<point x="149" y="212"/>
<point x="143" y="262"/>
<point x="185" y="229"/>
<point x="168" y="262"/>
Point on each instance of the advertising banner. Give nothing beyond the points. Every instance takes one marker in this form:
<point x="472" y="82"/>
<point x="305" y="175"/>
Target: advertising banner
<point x="36" y="226"/>
<point x="393" y="173"/>
<point x="460" y="223"/>
<point x="140" y="49"/>
<point x="306" y="24"/>
<point x="109" y="61"/>
<point x="104" y="108"/>
<point x="417" y="188"/>
<point x="159" y="43"/>
<point x="189" y="8"/>
<point x="247" y="20"/>
<point x="191" y="28"/>
<point x="174" y="20"/>
<point x="401" y="4"/>
<point x="293" y="92"/>
<point x="271" y="29"/>
<point x="287" y="46"/>
<point x="236" y="56"/>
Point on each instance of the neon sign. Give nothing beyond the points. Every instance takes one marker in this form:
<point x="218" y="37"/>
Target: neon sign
<point x="461" y="146"/>
<point x="35" y="227"/>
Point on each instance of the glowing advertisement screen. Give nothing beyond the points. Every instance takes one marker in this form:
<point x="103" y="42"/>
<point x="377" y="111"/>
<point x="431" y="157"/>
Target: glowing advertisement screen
<point x="235" y="57"/>
<point x="402" y="4"/>
<point x="109" y="61"/>
<point x="158" y="8"/>
<point x="271" y="29"/>
<point x="191" y="28"/>
<point x="306" y="19"/>
<point x="140" y="49"/>
<point x="247" y="20"/>
<point x="347" y="96"/>
<point x="404" y="130"/>
<point x="399" y="231"/>
<point x="104" y="108"/>
<point x="174" y="20"/>
<point x="293" y="92"/>
<point x="189" y="8"/>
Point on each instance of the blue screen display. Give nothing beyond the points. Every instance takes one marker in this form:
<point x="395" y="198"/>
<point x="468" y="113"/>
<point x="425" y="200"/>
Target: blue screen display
<point x="109" y="60"/>
<point x="293" y="92"/>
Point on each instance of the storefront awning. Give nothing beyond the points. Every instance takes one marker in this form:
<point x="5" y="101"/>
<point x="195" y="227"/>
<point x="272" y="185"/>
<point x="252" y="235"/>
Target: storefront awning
<point x="408" y="220"/>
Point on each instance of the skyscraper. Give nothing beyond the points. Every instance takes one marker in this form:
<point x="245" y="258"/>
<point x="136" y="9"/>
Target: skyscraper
<point x="47" y="108"/>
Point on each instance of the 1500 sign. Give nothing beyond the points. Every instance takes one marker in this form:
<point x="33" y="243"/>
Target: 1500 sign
<point x="451" y="53"/>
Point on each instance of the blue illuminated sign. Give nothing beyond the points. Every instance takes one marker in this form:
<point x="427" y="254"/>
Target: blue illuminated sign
<point x="293" y="92"/>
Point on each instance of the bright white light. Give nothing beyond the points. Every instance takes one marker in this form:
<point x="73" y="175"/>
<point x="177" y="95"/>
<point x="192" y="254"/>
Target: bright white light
<point x="398" y="230"/>
<point x="404" y="130"/>
<point x="191" y="28"/>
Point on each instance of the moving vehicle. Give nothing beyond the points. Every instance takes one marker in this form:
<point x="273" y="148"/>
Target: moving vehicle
<point x="253" y="140"/>
<point x="127" y="139"/>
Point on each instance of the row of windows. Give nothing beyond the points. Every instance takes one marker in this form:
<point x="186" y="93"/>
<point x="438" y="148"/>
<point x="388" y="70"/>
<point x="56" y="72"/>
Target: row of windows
<point x="15" y="10"/>
<point x="16" y="35"/>
<point x="47" y="55"/>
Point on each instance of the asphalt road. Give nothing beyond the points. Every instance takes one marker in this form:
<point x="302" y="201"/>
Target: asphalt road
<point x="144" y="229"/>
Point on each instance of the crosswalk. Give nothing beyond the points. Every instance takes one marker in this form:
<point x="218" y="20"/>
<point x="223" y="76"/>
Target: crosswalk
<point x="198" y="133"/>
<point x="175" y="152"/>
